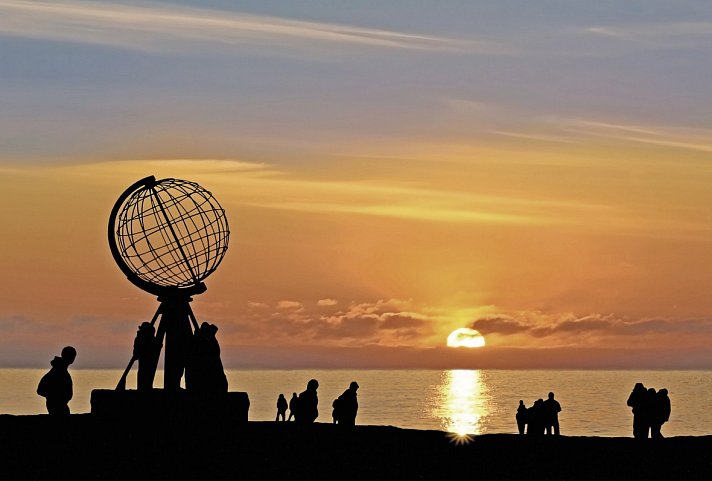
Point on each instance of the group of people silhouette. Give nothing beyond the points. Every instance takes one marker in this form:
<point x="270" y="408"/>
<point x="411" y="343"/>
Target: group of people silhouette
<point x="203" y="368"/>
<point x="542" y="417"/>
<point x="651" y="410"/>
<point x="304" y="408"/>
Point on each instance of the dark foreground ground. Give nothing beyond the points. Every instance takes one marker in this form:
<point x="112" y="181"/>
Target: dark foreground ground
<point x="86" y="447"/>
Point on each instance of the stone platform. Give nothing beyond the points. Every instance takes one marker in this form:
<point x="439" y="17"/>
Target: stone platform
<point x="233" y="406"/>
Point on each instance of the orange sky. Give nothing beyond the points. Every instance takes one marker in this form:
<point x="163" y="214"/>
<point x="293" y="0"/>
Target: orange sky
<point x="594" y="253"/>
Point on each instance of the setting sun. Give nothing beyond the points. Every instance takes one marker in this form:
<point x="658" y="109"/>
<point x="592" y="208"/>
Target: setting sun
<point x="465" y="337"/>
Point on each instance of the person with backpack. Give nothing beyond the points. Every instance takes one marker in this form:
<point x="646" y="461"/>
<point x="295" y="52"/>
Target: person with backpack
<point x="346" y="406"/>
<point x="308" y="404"/>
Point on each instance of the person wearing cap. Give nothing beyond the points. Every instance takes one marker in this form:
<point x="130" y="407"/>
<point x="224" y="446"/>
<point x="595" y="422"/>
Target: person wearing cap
<point x="346" y="406"/>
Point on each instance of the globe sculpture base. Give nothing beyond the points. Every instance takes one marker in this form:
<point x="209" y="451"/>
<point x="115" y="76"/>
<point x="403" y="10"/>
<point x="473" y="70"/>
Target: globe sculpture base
<point x="229" y="406"/>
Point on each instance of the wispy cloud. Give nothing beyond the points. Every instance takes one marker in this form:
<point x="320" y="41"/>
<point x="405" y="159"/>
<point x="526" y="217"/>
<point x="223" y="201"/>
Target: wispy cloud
<point x="673" y="137"/>
<point x="155" y="27"/>
<point x="653" y="31"/>
<point x="535" y="137"/>
<point x="263" y="186"/>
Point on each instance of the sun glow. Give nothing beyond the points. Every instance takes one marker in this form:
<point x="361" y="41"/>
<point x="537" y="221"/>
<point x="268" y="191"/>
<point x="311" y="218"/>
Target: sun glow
<point x="465" y="337"/>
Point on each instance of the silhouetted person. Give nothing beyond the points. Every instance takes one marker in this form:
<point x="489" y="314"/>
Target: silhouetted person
<point x="146" y="350"/>
<point x="636" y="400"/>
<point x="56" y="385"/>
<point x="521" y="417"/>
<point x="216" y="372"/>
<point x="346" y="406"/>
<point x="293" y="403"/>
<point x="661" y="413"/>
<point x="649" y="404"/>
<point x="204" y="370"/>
<point x="535" y="418"/>
<point x="307" y="411"/>
<point x="281" y="408"/>
<point x="552" y="408"/>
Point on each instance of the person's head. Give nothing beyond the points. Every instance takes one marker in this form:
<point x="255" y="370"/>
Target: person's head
<point x="521" y="402"/>
<point x="146" y="328"/>
<point x="651" y="390"/>
<point x="353" y="385"/>
<point x="281" y="396"/>
<point x="312" y="385"/>
<point x="639" y="387"/>
<point x="294" y="394"/>
<point x="663" y="392"/>
<point x="69" y="354"/>
<point x="551" y="395"/>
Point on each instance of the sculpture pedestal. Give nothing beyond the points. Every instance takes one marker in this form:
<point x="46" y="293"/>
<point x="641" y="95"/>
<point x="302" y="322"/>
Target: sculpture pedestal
<point x="233" y="406"/>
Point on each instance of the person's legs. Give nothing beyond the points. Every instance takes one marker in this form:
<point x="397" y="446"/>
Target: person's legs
<point x="638" y="428"/>
<point x="57" y="408"/>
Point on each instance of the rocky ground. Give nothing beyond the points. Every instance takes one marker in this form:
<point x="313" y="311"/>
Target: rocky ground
<point x="90" y="447"/>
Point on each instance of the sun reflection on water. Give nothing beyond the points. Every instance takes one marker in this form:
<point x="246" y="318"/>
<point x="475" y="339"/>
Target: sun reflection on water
<point x="464" y="402"/>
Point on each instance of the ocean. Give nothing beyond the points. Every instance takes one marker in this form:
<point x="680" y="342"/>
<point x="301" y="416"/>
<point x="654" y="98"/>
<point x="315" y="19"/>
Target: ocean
<point x="460" y="401"/>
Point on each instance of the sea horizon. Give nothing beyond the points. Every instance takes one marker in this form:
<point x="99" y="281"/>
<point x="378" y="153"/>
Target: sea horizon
<point x="457" y="400"/>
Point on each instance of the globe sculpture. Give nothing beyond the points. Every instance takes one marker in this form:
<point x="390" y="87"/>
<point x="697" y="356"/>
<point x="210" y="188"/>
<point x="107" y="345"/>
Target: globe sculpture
<point x="167" y="236"/>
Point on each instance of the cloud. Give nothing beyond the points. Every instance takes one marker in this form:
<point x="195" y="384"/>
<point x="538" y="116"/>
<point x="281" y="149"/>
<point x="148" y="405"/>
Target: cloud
<point x="327" y="302"/>
<point x="498" y="325"/>
<point x="265" y="186"/>
<point x="256" y="305"/>
<point x="157" y="27"/>
<point x="418" y="203"/>
<point x="540" y="325"/>
<point x="559" y="139"/>
<point x="382" y="322"/>
<point x="664" y="326"/>
<point x="677" y="138"/>
<point x="364" y="327"/>
<point x="667" y="32"/>
<point x="288" y="305"/>
<point x="594" y="329"/>
<point x="571" y="327"/>
<point x="401" y="321"/>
